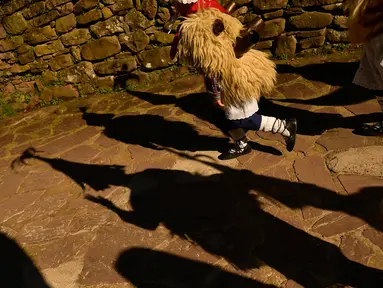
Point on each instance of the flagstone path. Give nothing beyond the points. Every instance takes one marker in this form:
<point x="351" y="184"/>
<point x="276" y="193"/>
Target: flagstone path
<point x="125" y="190"/>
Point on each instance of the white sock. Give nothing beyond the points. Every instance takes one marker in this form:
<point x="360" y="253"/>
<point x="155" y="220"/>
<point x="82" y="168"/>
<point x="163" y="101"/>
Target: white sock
<point x="274" y="125"/>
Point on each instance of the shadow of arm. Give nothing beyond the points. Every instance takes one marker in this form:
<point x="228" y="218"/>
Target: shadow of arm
<point x="126" y="216"/>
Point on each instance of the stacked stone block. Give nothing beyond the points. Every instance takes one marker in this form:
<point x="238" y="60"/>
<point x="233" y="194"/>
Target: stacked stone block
<point x="296" y="25"/>
<point x="68" y="48"/>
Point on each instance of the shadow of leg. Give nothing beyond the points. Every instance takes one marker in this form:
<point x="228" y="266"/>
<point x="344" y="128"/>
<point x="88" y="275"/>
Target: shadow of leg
<point x="16" y="268"/>
<point x="155" y="269"/>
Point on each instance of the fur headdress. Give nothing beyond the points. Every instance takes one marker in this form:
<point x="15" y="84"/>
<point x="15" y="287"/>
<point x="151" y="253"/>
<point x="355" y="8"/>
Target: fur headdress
<point x="207" y="41"/>
<point x="365" y="19"/>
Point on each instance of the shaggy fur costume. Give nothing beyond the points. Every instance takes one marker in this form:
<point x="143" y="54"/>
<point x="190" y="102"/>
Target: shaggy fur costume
<point x="243" y="80"/>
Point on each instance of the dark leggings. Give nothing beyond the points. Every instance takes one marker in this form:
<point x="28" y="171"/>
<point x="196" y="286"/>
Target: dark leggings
<point x="251" y="123"/>
<point x="237" y="129"/>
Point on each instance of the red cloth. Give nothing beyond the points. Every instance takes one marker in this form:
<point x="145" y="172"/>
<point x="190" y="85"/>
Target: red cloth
<point x="204" y="4"/>
<point x="194" y="9"/>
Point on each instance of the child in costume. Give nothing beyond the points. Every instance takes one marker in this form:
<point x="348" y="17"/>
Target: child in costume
<point x="366" y="26"/>
<point x="183" y="8"/>
<point x="219" y="46"/>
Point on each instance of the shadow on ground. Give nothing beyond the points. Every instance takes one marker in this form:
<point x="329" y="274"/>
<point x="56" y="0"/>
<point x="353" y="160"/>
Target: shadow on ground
<point x="16" y="268"/>
<point x="309" y="123"/>
<point x="199" y="105"/>
<point x="348" y="95"/>
<point x="336" y="74"/>
<point x="221" y="213"/>
<point x="154" y="269"/>
<point x="155" y="132"/>
<point x="332" y="73"/>
<point x="316" y="123"/>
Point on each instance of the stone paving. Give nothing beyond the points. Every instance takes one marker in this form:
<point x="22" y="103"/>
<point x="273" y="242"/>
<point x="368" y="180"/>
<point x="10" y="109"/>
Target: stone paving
<point x="125" y="190"/>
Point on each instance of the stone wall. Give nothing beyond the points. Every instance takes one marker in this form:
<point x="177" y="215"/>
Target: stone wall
<point x="60" y="49"/>
<point x="296" y="25"/>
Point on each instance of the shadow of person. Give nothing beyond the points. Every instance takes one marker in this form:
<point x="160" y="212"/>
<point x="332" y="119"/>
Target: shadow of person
<point x="199" y="105"/>
<point x="16" y="268"/>
<point x="364" y="205"/>
<point x="98" y="177"/>
<point x="315" y="123"/>
<point x="309" y="123"/>
<point x="332" y="73"/>
<point x="221" y="213"/>
<point x="348" y="95"/>
<point x="155" y="269"/>
<point x="336" y="74"/>
<point x="155" y="132"/>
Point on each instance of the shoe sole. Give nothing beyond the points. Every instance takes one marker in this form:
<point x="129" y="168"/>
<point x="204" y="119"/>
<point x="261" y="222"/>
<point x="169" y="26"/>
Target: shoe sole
<point x="294" y="132"/>
<point x="368" y="134"/>
<point x="233" y="156"/>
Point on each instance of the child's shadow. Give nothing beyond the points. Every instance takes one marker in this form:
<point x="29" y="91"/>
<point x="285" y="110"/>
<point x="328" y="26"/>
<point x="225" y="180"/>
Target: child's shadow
<point x="154" y="132"/>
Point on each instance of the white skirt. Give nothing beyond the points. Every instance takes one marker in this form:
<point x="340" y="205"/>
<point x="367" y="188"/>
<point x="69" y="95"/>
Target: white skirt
<point x="370" y="72"/>
<point x="244" y="111"/>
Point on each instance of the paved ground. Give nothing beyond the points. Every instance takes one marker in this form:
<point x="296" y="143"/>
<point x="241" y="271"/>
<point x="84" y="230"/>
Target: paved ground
<point x="129" y="192"/>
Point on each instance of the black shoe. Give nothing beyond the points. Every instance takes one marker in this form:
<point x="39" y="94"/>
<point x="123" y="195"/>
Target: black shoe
<point x="241" y="147"/>
<point x="291" y="126"/>
<point x="371" y="130"/>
